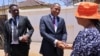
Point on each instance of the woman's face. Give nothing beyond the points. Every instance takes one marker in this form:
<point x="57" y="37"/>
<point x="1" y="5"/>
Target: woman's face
<point x="83" y="22"/>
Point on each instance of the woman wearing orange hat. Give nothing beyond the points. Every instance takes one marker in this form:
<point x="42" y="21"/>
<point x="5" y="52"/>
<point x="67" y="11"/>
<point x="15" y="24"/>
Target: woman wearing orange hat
<point x="87" y="42"/>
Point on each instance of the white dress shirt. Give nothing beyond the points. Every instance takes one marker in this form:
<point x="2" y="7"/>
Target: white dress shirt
<point x="14" y="31"/>
<point x="55" y="27"/>
<point x="56" y="23"/>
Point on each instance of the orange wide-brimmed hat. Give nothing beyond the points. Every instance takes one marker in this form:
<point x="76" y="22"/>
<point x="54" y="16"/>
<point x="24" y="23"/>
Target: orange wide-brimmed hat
<point x="87" y="10"/>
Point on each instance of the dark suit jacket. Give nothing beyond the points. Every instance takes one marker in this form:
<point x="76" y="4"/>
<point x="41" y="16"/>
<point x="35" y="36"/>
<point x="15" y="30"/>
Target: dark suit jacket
<point x="49" y="35"/>
<point x="23" y="25"/>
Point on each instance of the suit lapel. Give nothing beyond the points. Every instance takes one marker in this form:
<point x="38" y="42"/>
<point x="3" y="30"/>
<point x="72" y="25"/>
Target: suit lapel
<point x="9" y="25"/>
<point x="50" y="23"/>
<point x="19" y="21"/>
<point x="59" y="23"/>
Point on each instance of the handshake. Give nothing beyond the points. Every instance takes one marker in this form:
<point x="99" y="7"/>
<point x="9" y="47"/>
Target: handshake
<point x="63" y="45"/>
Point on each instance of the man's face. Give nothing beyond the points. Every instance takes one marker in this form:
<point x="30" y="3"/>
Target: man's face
<point x="55" y="10"/>
<point x="14" y="11"/>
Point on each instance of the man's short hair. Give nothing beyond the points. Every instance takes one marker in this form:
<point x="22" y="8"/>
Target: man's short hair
<point x="52" y="5"/>
<point x="11" y="5"/>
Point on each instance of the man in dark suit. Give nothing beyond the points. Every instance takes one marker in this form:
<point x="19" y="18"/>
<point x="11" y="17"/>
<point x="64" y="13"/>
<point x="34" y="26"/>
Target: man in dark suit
<point x="53" y="31"/>
<point x="18" y="31"/>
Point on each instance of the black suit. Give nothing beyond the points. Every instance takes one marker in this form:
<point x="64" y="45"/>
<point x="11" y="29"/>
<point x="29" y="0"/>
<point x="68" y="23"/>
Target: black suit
<point x="49" y="35"/>
<point x="22" y="47"/>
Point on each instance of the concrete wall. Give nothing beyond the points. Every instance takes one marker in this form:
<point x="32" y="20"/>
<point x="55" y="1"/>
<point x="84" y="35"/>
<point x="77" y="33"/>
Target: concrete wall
<point x="34" y="16"/>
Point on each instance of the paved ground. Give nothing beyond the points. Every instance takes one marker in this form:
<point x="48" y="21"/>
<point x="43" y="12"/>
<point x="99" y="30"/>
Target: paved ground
<point x="34" y="50"/>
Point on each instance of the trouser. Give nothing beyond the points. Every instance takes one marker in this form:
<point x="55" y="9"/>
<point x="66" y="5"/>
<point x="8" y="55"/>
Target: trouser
<point x="19" y="50"/>
<point x="56" y="52"/>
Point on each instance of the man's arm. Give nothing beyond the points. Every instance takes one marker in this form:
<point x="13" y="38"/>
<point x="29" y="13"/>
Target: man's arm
<point x="62" y="44"/>
<point x="30" y="28"/>
<point x="6" y="43"/>
<point x="64" y="38"/>
<point x="24" y="38"/>
<point x="43" y="32"/>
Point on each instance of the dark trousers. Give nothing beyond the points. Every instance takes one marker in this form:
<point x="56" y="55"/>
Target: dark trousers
<point x="19" y="50"/>
<point x="55" y="52"/>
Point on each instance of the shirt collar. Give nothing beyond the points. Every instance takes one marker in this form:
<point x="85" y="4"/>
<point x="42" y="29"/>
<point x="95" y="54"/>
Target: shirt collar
<point x="15" y="18"/>
<point x="52" y="16"/>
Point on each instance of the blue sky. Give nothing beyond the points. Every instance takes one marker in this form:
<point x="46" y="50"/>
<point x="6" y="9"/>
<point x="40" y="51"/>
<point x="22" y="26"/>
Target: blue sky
<point x="47" y="1"/>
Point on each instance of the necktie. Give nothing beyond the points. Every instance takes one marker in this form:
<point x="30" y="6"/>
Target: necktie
<point x="55" y="23"/>
<point x="15" y="22"/>
<point x="53" y="20"/>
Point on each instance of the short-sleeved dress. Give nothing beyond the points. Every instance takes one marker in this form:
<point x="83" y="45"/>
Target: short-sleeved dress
<point x="87" y="43"/>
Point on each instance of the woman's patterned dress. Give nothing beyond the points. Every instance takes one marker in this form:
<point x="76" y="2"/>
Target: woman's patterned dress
<point x="87" y="43"/>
